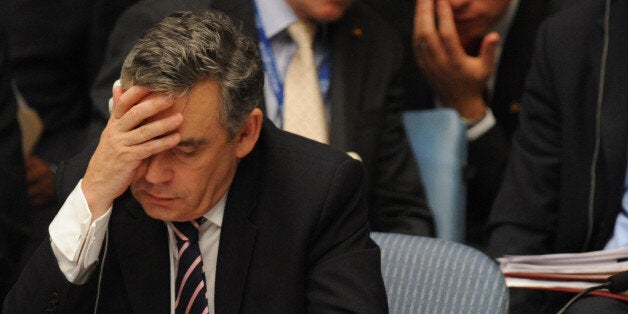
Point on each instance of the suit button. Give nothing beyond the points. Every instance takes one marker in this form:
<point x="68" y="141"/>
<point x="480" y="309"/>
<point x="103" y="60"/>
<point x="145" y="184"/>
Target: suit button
<point x="515" y="107"/>
<point x="54" y="301"/>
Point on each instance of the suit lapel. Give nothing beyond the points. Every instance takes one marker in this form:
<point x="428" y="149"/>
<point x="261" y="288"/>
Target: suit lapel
<point x="238" y="234"/>
<point x="349" y="57"/>
<point x="141" y="244"/>
<point x="515" y="61"/>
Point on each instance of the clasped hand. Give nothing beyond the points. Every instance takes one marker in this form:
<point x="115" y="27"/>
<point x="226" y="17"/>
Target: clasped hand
<point x="458" y="78"/>
<point x="125" y="142"/>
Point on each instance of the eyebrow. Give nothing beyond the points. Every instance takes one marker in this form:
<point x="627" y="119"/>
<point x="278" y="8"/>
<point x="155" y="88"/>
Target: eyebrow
<point x="193" y="142"/>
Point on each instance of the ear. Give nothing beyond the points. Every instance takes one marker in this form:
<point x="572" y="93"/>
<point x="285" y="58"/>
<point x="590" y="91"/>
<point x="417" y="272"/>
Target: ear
<point x="249" y="133"/>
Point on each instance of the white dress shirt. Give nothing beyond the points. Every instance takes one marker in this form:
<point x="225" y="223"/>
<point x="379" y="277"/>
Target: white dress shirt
<point x="76" y="243"/>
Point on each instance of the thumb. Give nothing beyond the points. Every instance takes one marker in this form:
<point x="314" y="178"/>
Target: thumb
<point x="488" y="49"/>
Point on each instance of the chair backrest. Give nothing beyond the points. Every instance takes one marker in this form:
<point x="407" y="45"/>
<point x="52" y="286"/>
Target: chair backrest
<point x="438" y="139"/>
<point x="429" y="275"/>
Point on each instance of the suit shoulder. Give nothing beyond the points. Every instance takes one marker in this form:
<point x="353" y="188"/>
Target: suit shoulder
<point x="584" y="13"/>
<point x="299" y="152"/>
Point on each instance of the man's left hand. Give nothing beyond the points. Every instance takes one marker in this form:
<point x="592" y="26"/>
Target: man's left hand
<point x="458" y="78"/>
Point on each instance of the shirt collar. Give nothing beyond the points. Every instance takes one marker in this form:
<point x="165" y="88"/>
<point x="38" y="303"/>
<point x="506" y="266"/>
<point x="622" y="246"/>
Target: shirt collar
<point x="275" y="15"/>
<point x="217" y="212"/>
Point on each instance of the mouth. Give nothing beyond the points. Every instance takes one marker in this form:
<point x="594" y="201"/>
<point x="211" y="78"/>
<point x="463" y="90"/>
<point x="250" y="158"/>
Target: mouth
<point x="464" y="20"/>
<point x="159" y="199"/>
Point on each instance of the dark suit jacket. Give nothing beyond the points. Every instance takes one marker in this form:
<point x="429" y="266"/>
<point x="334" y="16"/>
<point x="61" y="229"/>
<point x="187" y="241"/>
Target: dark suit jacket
<point x="56" y="51"/>
<point x="12" y="178"/>
<point x="543" y="204"/>
<point x="56" y="48"/>
<point x="364" y="94"/>
<point x="487" y="156"/>
<point x="294" y="239"/>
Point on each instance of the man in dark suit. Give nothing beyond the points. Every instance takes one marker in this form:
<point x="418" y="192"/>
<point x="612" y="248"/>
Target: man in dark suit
<point x="362" y="102"/>
<point x="450" y="69"/>
<point x="12" y="178"/>
<point x="564" y="184"/>
<point x="284" y="225"/>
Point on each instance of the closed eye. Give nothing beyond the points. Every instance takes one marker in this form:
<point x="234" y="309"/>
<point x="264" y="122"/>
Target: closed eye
<point x="189" y="147"/>
<point x="187" y="151"/>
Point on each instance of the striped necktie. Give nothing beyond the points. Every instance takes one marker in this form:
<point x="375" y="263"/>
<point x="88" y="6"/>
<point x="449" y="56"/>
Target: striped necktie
<point x="190" y="283"/>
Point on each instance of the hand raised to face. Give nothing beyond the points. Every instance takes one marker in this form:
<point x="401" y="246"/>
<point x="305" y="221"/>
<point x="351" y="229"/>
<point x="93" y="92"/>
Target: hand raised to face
<point x="458" y="78"/>
<point x="125" y="142"/>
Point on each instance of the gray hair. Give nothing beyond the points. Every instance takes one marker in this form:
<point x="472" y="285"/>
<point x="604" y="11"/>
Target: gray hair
<point x="187" y="48"/>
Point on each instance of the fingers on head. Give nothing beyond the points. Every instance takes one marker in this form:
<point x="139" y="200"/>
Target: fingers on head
<point x="127" y="99"/>
<point x="447" y="29"/>
<point x="146" y="108"/>
<point x="156" y="129"/>
<point x="158" y="145"/>
<point x="424" y="26"/>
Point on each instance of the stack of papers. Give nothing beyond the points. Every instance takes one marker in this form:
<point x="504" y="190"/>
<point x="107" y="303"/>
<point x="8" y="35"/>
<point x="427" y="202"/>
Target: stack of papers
<point x="565" y="272"/>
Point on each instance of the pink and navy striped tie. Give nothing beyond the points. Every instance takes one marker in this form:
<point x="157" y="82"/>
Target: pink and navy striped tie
<point x="190" y="284"/>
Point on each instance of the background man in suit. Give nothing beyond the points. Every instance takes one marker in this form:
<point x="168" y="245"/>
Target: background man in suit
<point x="356" y="51"/>
<point x="484" y="85"/>
<point x="286" y="227"/>
<point x="458" y="56"/>
<point x="12" y="178"/>
<point x="563" y="188"/>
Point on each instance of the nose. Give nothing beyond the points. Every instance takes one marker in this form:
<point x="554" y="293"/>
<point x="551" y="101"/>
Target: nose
<point x="459" y="5"/>
<point x="158" y="168"/>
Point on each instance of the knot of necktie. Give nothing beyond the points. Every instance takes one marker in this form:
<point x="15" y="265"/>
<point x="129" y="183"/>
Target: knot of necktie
<point x="187" y="231"/>
<point x="302" y="33"/>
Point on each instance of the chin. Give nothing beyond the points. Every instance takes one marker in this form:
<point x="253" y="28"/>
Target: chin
<point x="333" y="11"/>
<point x="169" y="213"/>
<point x="165" y="210"/>
<point x="159" y="212"/>
<point x="473" y="31"/>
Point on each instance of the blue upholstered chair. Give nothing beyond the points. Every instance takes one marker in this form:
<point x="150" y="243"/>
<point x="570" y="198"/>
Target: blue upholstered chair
<point x="438" y="139"/>
<point x="429" y="275"/>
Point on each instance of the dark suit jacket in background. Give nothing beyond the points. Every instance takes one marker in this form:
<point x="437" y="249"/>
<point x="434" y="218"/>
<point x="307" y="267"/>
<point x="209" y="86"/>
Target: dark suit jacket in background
<point x="13" y="232"/>
<point x="488" y="154"/>
<point x="365" y="97"/>
<point x="56" y="51"/>
<point x="294" y="239"/>
<point x="542" y="206"/>
<point x="56" y="48"/>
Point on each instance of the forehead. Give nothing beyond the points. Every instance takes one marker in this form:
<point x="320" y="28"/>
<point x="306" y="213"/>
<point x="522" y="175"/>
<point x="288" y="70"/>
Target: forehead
<point x="200" y="108"/>
<point x="203" y="100"/>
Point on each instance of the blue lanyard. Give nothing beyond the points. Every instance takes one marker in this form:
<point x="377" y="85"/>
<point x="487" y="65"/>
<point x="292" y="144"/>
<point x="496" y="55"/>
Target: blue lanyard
<point x="276" y="83"/>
